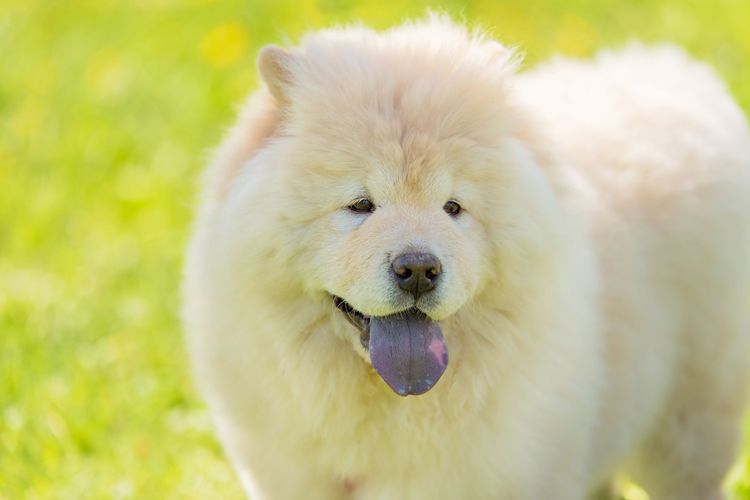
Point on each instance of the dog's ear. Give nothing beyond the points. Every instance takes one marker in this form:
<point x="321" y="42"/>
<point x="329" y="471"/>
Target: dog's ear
<point x="274" y="68"/>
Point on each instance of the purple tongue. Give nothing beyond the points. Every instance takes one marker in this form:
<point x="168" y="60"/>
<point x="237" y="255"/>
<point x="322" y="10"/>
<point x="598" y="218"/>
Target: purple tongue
<point x="407" y="349"/>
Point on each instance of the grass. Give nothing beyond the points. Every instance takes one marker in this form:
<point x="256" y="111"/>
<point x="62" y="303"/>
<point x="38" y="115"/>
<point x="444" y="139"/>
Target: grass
<point x="107" y="109"/>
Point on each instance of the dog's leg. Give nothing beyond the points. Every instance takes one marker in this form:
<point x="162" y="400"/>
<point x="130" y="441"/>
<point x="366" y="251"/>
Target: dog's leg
<point x="290" y="482"/>
<point x="269" y="472"/>
<point x="691" y="450"/>
<point x="690" y="463"/>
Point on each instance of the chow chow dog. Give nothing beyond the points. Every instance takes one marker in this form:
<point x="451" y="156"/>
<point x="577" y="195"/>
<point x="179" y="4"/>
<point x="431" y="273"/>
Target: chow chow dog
<point x="420" y="273"/>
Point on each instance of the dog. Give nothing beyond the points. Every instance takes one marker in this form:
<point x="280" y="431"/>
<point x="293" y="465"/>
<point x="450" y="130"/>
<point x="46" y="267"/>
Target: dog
<point x="419" y="272"/>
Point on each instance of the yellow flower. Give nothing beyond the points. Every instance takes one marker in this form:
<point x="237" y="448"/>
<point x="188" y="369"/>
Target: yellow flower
<point x="224" y="45"/>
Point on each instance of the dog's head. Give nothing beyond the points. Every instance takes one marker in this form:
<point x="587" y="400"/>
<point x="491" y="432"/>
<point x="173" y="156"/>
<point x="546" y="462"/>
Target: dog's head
<point x="392" y="185"/>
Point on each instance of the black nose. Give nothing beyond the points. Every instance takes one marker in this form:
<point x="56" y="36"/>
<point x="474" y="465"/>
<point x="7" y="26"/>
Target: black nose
<point x="416" y="273"/>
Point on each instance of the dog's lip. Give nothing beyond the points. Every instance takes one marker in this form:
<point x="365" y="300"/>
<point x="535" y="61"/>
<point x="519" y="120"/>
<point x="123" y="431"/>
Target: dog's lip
<point x="359" y="320"/>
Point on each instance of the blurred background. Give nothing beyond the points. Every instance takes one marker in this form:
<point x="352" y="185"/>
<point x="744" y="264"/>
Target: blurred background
<point x="107" y="112"/>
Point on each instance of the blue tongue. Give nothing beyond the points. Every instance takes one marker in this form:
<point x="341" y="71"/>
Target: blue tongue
<point x="408" y="351"/>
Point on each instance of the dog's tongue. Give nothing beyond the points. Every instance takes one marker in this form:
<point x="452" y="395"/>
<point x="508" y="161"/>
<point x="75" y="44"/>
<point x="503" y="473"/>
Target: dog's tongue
<point x="407" y="349"/>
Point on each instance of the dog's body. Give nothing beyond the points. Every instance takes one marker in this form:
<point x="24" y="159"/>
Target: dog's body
<point x="593" y="293"/>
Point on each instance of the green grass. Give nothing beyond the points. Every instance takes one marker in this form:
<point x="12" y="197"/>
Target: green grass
<point x="107" y="110"/>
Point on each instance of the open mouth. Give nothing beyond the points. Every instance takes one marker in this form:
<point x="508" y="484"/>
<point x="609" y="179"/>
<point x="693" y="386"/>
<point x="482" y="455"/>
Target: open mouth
<point x="360" y="321"/>
<point x="407" y="348"/>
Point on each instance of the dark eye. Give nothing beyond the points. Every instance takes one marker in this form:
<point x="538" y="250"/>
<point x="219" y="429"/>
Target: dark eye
<point x="452" y="208"/>
<point x="362" y="205"/>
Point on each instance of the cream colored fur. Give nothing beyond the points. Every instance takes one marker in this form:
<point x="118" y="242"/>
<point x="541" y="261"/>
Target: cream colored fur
<point x="596" y="292"/>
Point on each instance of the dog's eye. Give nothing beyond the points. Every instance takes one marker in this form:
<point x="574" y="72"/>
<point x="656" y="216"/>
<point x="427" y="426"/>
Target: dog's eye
<point x="452" y="208"/>
<point x="362" y="205"/>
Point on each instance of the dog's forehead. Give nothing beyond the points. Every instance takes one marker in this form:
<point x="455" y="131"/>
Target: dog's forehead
<point x="392" y="157"/>
<point x="415" y="159"/>
<point x="398" y="118"/>
<point x="418" y="113"/>
<point x="399" y="136"/>
<point x="375" y="96"/>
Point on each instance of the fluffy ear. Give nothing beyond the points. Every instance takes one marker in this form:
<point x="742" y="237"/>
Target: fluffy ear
<point x="273" y="66"/>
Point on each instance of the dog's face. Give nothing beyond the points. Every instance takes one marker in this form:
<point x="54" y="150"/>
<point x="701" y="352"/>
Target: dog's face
<point x="398" y="193"/>
<point x="394" y="236"/>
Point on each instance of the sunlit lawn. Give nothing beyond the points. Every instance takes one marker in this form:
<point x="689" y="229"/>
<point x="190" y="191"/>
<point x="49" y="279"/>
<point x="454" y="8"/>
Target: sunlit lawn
<point x="107" y="110"/>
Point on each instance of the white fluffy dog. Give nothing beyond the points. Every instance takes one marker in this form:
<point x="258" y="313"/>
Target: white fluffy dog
<point x="553" y="266"/>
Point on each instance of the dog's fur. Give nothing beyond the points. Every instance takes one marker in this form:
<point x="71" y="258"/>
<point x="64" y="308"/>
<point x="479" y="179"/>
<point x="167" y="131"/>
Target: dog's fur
<point x="595" y="293"/>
